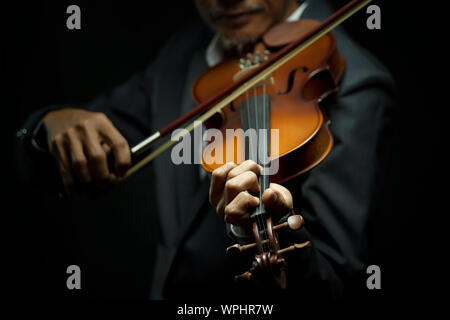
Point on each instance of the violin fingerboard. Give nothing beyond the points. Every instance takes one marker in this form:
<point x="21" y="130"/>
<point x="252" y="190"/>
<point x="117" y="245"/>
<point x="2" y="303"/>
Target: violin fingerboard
<point x="255" y="115"/>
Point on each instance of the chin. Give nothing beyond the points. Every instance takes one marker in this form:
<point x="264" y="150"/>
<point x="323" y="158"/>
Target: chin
<point x="246" y="34"/>
<point x="241" y="37"/>
<point x="232" y="40"/>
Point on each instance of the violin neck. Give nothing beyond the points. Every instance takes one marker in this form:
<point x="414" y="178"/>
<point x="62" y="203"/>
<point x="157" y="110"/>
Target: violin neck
<point x="255" y="115"/>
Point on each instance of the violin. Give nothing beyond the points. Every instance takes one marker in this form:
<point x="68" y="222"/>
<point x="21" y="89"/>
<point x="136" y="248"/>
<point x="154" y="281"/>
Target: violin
<point x="278" y="87"/>
<point x="287" y="101"/>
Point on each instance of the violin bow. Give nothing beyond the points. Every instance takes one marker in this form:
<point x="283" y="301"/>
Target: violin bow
<point x="240" y="86"/>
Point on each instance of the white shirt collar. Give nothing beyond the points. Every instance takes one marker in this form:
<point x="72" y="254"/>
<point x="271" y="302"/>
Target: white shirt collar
<point x="215" y="52"/>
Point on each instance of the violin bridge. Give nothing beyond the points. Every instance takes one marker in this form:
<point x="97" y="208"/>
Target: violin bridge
<point x="267" y="81"/>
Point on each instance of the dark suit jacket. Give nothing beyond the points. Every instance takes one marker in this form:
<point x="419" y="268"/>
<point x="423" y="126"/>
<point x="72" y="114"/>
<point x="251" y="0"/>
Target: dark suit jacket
<point x="336" y="198"/>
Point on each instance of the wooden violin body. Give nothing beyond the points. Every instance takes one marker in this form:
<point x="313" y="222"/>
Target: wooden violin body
<point x="295" y="91"/>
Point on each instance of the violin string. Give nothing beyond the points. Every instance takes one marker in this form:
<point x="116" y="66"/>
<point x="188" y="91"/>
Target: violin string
<point x="264" y="154"/>
<point x="247" y="105"/>
<point x="260" y="213"/>
<point x="268" y="135"/>
<point x="250" y="117"/>
<point x="254" y="117"/>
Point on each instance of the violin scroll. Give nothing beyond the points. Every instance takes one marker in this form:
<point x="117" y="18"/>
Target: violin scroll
<point x="269" y="262"/>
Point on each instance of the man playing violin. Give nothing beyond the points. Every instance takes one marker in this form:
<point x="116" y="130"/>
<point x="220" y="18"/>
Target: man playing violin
<point x="91" y="145"/>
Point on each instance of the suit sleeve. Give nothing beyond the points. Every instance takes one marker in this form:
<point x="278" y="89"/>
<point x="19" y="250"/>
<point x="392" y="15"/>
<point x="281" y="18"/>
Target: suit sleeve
<point x="127" y="106"/>
<point x="337" y="198"/>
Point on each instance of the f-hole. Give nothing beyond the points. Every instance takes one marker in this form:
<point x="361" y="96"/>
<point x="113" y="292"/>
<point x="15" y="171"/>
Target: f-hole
<point x="319" y="85"/>
<point x="291" y="79"/>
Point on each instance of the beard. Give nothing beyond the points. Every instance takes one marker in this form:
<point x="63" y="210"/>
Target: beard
<point x="236" y="42"/>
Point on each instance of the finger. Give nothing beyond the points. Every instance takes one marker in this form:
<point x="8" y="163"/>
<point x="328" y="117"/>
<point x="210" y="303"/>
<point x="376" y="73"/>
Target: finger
<point x="79" y="161"/>
<point x="247" y="181"/>
<point x="237" y="211"/>
<point x="277" y="199"/>
<point x="106" y="148"/>
<point x="220" y="208"/>
<point x="218" y="179"/>
<point x="119" y="146"/>
<point x="97" y="157"/>
<point x="248" y="165"/>
<point x="63" y="161"/>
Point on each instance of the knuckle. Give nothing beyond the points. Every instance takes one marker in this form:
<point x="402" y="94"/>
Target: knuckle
<point x="70" y="132"/>
<point x="79" y="163"/>
<point x="232" y="185"/>
<point x="233" y="215"/>
<point x="254" y="167"/>
<point x="245" y="200"/>
<point x="100" y="116"/>
<point x="98" y="157"/>
<point x="247" y="197"/>
<point x="57" y="140"/>
<point x="82" y="125"/>
<point x="229" y="211"/>
<point x="215" y="174"/>
<point x="218" y="173"/>
<point x="121" y="143"/>
<point x="232" y="174"/>
<point x="252" y="176"/>
<point x="249" y="163"/>
<point x="123" y="163"/>
<point x="225" y="170"/>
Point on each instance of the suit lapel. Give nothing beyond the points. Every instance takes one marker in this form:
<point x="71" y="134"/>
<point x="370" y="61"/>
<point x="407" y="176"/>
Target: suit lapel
<point x="180" y="191"/>
<point x="166" y="99"/>
<point x="190" y="187"/>
<point x="177" y="196"/>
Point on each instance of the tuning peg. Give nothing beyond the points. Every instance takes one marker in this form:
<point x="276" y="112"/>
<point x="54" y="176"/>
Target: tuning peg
<point x="242" y="63"/>
<point x="263" y="263"/>
<point x="294" y="222"/>
<point x="256" y="60"/>
<point x="237" y="249"/>
<point x="278" y="261"/>
<point x="295" y="246"/>
<point x="245" y="276"/>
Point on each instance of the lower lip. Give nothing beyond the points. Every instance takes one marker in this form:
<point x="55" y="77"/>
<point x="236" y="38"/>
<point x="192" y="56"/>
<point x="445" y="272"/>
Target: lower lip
<point x="238" y="19"/>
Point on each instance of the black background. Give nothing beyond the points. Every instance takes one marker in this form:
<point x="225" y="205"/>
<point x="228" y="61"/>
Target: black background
<point x="44" y="63"/>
